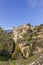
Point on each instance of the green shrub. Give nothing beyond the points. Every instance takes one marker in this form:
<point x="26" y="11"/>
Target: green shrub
<point x="17" y="53"/>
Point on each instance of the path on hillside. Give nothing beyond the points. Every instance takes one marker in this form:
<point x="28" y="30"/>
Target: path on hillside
<point x="38" y="61"/>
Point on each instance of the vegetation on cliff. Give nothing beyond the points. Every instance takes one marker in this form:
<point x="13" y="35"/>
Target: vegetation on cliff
<point x="24" y="42"/>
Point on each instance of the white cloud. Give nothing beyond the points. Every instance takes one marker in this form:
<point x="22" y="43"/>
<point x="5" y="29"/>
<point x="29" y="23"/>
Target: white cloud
<point x="31" y="3"/>
<point x="35" y="3"/>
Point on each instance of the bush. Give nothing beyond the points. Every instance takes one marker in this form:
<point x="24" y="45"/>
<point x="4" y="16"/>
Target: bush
<point x="17" y="53"/>
<point x="6" y="42"/>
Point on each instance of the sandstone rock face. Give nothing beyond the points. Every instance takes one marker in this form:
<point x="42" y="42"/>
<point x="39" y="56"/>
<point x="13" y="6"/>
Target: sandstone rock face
<point x="27" y="38"/>
<point x="20" y="35"/>
<point x="39" y="38"/>
<point x="21" y="31"/>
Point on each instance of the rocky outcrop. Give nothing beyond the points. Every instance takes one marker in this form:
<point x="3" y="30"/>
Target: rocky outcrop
<point x="25" y="41"/>
<point x="21" y="32"/>
<point x="29" y="39"/>
<point x="21" y="35"/>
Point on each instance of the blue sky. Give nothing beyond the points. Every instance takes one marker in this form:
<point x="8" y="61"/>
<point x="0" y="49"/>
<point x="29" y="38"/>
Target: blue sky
<point x="18" y="12"/>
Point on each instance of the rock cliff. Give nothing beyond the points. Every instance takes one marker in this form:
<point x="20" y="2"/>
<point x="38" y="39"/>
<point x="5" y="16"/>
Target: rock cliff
<point x="29" y="39"/>
<point x="24" y="43"/>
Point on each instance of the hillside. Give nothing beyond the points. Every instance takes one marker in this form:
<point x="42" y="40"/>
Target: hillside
<point x="8" y="30"/>
<point x="24" y="43"/>
<point x="29" y="39"/>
